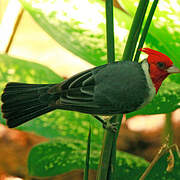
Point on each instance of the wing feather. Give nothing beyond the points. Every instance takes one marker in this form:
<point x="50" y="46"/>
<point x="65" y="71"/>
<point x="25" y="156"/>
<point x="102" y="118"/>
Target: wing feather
<point x="78" y="90"/>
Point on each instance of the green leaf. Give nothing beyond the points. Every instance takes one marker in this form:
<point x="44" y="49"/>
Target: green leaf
<point x="64" y="155"/>
<point x="73" y="25"/>
<point x="57" y="123"/>
<point x="56" y="157"/>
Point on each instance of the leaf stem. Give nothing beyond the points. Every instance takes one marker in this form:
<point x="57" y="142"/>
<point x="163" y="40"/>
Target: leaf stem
<point x="106" y="152"/>
<point x="112" y="167"/>
<point x="135" y="30"/>
<point x="110" y="31"/>
<point x="86" y="170"/>
<point x="145" y="30"/>
<point x="105" y="155"/>
<point x="168" y="130"/>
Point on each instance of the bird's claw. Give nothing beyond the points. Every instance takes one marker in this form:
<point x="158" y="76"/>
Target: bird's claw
<point x="111" y="126"/>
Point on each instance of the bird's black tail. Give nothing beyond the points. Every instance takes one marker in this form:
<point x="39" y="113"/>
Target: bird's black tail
<point x="23" y="102"/>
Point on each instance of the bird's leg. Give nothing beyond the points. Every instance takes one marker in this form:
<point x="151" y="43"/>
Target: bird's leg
<point x="106" y="123"/>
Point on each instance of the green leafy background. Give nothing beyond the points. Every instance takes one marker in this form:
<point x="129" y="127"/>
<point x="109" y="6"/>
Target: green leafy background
<point x="62" y="155"/>
<point x="84" y="35"/>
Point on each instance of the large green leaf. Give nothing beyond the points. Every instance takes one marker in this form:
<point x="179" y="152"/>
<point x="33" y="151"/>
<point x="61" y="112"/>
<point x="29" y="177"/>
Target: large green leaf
<point x="79" y="26"/>
<point x="72" y="25"/>
<point x="57" y="123"/>
<point x="63" y="155"/>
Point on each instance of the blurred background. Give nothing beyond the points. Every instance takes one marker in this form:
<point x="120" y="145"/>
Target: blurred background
<point x="22" y="37"/>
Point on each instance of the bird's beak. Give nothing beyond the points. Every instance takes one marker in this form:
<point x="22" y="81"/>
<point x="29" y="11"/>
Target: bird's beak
<point x="173" y="69"/>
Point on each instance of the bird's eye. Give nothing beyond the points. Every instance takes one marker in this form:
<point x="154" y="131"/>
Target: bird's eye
<point x="161" y="65"/>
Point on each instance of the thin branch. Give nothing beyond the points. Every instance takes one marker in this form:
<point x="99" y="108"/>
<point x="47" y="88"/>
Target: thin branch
<point x="164" y="149"/>
<point x="9" y="24"/>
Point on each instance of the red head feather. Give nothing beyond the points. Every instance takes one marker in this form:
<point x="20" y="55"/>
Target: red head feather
<point x="156" y="56"/>
<point x="157" y="74"/>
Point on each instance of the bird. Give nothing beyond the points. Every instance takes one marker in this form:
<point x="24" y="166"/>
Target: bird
<point x="114" y="88"/>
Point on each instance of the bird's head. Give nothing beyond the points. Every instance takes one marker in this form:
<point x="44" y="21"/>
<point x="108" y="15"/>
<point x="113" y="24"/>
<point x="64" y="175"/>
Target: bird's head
<point x="160" y="66"/>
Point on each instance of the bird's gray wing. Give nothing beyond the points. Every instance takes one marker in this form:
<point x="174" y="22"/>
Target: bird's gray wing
<point x="77" y="90"/>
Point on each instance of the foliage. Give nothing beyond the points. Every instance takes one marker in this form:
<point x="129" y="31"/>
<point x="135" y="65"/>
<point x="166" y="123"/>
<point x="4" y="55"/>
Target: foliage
<point x="85" y="37"/>
<point x="64" y="154"/>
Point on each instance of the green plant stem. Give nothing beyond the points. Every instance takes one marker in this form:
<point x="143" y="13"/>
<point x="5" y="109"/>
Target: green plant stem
<point x="146" y="28"/>
<point x="105" y="155"/>
<point x="108" y="135"/>
<point x="110" y="31"/>
<point x="135" y="31"/>
<point x="168" y="130"/>
<point x="112" y="167"/>
<point x="86" y="170"/>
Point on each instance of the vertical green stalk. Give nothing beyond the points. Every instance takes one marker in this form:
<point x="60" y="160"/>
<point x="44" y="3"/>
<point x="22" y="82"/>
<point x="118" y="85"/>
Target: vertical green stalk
<point x="108" y="135"/>
<point x="110" y="31"/>
<point x="103" y="167"/>
<point x="112" y="167"/>
<point x="106" y="169"/>
<point x="135" y="30"/>
<point x="146" y="28"/>
<point x="168" y="130"/>
<point x="86" y="170"/>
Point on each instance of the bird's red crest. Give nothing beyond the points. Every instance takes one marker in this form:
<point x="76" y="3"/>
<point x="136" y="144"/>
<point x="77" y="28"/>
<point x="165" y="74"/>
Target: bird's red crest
<point x="156" y="55"/>
<point x="151" y="52"/>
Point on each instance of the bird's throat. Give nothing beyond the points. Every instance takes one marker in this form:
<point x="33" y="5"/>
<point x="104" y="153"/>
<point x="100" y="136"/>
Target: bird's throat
<point x="157" y="81"/>
<point x="157" y="76"/>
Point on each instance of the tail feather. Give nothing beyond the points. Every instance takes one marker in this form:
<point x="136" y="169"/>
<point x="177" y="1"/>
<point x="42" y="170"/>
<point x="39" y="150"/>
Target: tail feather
<point x="9" y="106"/>
<point x="16" y="98"/>
<point x="23" y="102"/>
<point x="14" y="122"/>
